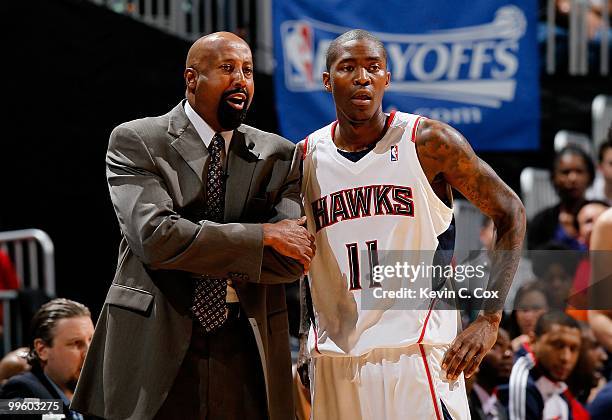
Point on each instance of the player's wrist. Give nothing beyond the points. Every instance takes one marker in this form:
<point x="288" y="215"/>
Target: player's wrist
<point x="492" y="317"/>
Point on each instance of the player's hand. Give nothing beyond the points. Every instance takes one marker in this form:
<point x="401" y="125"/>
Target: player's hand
<point x="290" y="238"/>
<point x="471" y="345"/>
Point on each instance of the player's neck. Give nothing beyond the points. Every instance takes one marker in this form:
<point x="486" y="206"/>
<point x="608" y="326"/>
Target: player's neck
<point x="353" y="137"/>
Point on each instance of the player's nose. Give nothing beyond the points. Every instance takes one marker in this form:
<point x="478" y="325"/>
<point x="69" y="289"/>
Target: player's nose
<point x="361" y="78"/>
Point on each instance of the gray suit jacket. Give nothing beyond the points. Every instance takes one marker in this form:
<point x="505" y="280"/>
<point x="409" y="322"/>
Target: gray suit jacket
<point x="156" y="170"/>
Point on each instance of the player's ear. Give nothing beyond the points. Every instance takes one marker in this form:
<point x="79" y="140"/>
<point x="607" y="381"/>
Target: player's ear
<point x="326" y="82"/>
<point x="387" y="79"/>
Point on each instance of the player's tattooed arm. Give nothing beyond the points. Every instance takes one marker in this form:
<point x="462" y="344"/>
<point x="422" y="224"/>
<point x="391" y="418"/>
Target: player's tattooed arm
<point x="445" y="153"/>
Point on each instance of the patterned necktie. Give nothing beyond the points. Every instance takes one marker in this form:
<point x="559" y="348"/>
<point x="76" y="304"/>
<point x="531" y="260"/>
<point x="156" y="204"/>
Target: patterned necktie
<point x="209" y="306"/>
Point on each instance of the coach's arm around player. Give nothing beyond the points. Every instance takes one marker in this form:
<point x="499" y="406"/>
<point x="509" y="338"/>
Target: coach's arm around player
<point x="163" y="238"/>
<point x="449" y="161"/>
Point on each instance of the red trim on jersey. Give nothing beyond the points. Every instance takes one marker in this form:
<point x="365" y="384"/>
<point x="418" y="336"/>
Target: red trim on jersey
<point x="333" y="129"/>
<point x="431" y="388"/>
<point x="414" y="128"/>
<point x="390" y="119"/>
<point x="305" y="149"/>
<point x="426" y="320"/>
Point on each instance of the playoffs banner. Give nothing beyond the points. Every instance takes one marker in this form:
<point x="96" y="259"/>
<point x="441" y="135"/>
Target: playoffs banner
<point x="472" y="64"/>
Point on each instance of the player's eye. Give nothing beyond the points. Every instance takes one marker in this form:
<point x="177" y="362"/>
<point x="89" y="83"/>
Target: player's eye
<point x="226" y="67"/>
<point x="347" y="67"/>
<point x="247" y="71"/>
<point x="374" y="67"/>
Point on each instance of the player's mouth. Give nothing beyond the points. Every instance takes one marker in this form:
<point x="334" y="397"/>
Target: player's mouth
<point x="236" y="101"/>
<point x="361" y="98"/>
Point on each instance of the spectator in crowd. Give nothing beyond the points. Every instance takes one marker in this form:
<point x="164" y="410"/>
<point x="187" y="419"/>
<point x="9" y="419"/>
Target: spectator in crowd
<point x="61" y="331"/>
<point x="602" y="187"/>
<point x="14" y="363"/>
<point x="8" y="278"/>
<point x="587" y="377"/>
<point x="537" y="389"/>
<point x="601" y="407"/>
<point x="600" y="289"/>
<point x="572" y="173"/>
<point x="554" y="266"/>
<point x="530" y="303"/>
<point x="494" y="370"/>
<point x="586" y="216"/>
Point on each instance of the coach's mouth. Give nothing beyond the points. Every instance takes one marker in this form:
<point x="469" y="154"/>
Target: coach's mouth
<point x="237" y="101"/>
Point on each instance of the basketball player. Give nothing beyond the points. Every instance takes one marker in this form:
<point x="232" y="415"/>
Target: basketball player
<point x="374" y="181"/>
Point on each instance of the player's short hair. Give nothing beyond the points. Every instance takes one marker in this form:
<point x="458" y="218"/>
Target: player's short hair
<point x="576" y="151"/>
<point x="45" y="320"/>
<point x="547" y="320"/>
<point x="355" y="34"/>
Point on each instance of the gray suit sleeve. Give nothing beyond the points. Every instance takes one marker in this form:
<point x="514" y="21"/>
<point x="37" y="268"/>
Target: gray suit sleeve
<point x="157" y="234"/>
<point x="277" y="268"/>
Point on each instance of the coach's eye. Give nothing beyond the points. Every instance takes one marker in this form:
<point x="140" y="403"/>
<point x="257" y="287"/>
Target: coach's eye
<point x="226" y="67"/>
<point x="348" y="68"/>
<point x="247" y="71"/>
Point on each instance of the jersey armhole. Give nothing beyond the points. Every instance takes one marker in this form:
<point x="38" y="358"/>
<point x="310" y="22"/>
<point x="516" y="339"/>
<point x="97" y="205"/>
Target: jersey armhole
<point x="415" y="127"/>
<point x="441" y="205"/>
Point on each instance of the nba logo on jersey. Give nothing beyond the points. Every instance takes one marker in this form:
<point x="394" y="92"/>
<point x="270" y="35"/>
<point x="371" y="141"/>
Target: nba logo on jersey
<point x="394" y="153"/>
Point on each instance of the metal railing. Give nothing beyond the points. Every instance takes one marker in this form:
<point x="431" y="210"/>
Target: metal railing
<point x="578" y="38"/>
<point x="18" y="242"/>
<point x="23" y="248"/>
<point x="191" y="19"/>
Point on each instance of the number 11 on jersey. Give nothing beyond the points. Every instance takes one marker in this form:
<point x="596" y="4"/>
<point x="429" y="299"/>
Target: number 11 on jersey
<point x="353" y="259"/>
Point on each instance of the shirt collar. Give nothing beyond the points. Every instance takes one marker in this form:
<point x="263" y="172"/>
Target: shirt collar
<point x="65" y="400"/>
<point x="204" y="130"/>
<point x="487" y="401"/>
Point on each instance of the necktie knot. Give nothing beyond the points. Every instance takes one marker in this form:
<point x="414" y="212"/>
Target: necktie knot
<point x="217" y="144"/>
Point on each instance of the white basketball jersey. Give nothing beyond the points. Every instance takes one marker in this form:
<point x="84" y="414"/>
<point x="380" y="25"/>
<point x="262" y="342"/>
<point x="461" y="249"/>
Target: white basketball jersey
<point x="382" y="202"/>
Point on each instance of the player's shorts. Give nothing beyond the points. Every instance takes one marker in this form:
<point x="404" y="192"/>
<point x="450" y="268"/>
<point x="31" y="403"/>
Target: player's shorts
<point x="387" y="384"/>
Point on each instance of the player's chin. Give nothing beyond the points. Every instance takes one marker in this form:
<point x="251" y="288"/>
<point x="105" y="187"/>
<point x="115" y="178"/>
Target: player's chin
<point x="360" y="116"/>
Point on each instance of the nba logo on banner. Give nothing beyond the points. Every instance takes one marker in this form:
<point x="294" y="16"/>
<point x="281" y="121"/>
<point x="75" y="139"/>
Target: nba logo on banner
<point x="394" y="153"/>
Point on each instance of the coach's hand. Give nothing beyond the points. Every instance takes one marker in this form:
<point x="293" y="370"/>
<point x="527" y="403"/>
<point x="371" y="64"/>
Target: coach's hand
<point x="290" y="238"/>
<point x="471" y="345"/>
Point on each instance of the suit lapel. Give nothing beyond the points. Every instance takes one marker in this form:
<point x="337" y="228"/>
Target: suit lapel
<point x="241" y="163"/>
<point x="187" y="142"/>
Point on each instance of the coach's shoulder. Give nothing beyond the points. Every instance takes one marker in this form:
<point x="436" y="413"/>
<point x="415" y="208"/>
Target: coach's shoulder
<point x="142" y="126"/>
<point x="145" y="130"/>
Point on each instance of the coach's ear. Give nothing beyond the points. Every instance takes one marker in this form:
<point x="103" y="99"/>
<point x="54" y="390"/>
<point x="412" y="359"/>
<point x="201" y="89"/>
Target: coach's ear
<point x="191" y="78"/>
<point x="326" y="82"/>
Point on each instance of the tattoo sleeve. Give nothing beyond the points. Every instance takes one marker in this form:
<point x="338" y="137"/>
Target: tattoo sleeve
<point x="443" y="150"/>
